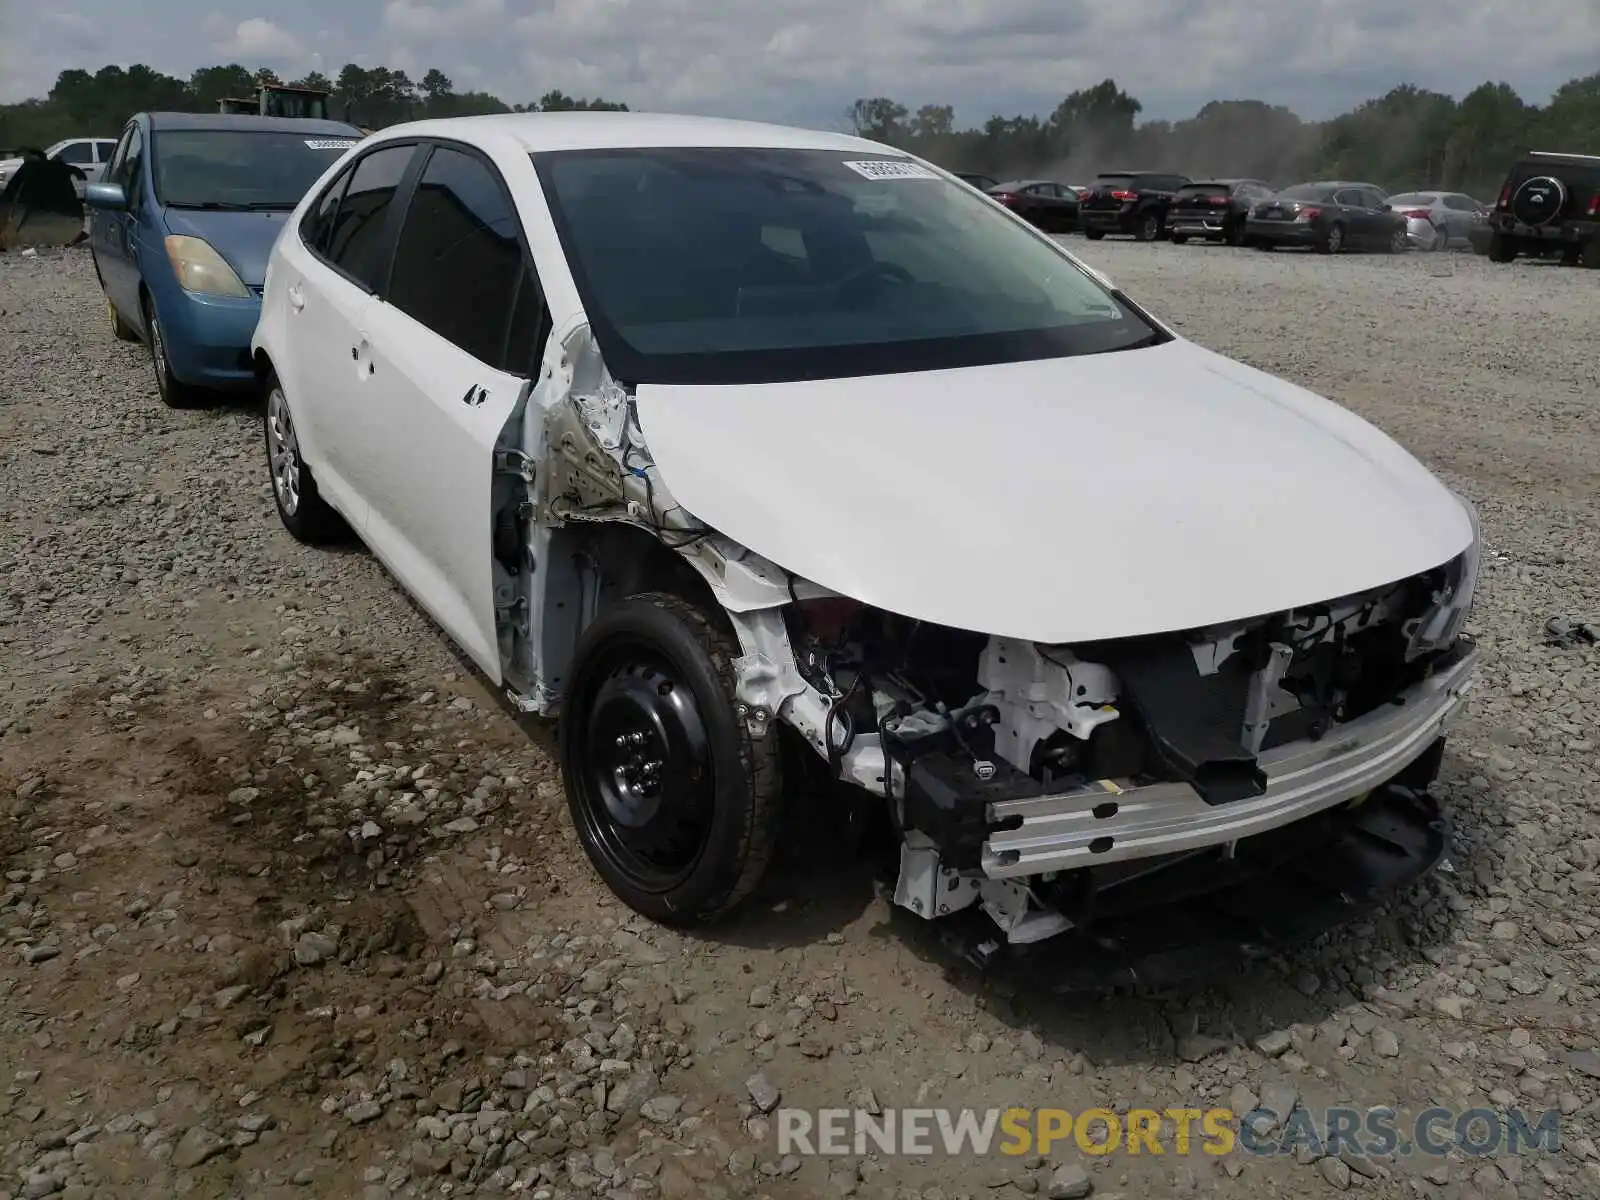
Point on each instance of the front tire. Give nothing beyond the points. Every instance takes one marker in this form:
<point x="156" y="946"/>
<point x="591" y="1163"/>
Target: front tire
<point x="1398" y="242"/>
<point x="1179" y="239"/>
<point x="1094" y="235"/>
<point x="173" y="391"/>
<point x="676" y="803"/>
<point x="304" y="513"/>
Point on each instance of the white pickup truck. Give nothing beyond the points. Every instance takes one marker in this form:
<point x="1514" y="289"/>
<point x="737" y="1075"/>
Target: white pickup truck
<point x="89" y="155"/>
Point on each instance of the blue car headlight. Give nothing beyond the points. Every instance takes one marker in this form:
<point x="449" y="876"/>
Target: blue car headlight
<point x="200" y="269"/>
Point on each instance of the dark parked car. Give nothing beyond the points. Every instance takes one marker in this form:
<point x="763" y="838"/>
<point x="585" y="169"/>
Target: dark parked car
<point x="1329" y="216"/>
<point x="982" y="182"/>
<point x="1052" y="206"/>
<point x="1214" y="209"/>
<point x="1133" y="202"/>
<point x="1550" y="204"/>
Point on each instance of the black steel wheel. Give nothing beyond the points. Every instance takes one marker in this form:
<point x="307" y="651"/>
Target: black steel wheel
<point x="675" y="802"/>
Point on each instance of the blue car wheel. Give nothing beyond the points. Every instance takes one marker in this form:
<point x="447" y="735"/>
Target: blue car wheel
<point x="173" y="391"/>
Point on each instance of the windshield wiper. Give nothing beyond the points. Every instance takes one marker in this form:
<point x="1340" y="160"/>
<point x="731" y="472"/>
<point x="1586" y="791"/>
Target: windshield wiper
<point x="233" y="205"/>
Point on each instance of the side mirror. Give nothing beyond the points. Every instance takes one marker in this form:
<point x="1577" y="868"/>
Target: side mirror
<point x="1385" y="208"/>
<point x="108" y="196"/>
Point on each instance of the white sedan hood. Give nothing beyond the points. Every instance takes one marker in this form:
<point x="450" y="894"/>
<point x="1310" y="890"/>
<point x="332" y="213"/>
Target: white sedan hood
<point x="1063" y="500"/>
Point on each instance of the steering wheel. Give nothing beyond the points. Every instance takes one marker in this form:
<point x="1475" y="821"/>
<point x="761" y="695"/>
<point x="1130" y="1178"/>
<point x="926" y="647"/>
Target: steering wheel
<point x="876" y="271"/>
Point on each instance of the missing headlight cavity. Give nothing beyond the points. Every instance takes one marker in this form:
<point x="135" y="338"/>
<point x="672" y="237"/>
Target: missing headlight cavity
<point x="1017" y="761"/>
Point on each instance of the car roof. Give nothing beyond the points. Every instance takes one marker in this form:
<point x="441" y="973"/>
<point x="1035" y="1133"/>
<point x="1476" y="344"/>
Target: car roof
<point x="536" y="132"/>
<point x="240" y="123"/>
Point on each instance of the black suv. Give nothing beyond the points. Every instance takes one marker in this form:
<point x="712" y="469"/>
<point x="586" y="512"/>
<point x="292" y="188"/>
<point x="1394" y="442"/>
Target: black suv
<point x="1133" y="202"/>
<point x="1550" y="205"/>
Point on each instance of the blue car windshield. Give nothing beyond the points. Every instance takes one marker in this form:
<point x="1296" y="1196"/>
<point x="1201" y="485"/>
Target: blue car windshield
<point x="764" y="265"/>
<point x="240" y="169"/>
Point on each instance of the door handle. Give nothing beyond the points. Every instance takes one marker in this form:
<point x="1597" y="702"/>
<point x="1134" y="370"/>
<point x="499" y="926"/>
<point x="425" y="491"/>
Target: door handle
<point x="475" y="396"/>
<point x="297" y="298"/>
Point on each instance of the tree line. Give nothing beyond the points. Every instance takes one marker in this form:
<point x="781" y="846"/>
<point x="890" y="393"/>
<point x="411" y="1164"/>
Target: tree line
<point x="97" y="104"/>
<point x="1409" y="138"/>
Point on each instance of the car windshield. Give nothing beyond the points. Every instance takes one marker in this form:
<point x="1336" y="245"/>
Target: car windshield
<point x="726" y="265"/>
<point x="241" y="168"/>
<point x="1304" y="191"/>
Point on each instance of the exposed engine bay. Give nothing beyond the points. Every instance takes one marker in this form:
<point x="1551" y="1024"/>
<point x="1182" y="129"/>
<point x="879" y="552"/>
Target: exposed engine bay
<point x="1042" y="785"/>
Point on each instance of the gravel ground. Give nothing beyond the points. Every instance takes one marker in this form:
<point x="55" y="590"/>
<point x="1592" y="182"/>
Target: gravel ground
<point x="291" y="906"/>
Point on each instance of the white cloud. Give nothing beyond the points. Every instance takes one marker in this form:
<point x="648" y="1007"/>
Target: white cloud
<point x="806" y="60"/>
<point x="407" y="19"/>
<point x="258" y="39"/>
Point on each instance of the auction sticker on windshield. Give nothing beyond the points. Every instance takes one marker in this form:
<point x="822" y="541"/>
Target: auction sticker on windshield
<point x="889" y="168"/>
<point x="330" y="143"/>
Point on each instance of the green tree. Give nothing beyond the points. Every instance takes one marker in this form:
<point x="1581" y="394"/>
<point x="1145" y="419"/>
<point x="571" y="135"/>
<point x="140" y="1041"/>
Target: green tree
<point x="880" y="119"/>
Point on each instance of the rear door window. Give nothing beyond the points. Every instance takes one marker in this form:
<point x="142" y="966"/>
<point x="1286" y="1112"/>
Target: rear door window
<point x="316" y="227"/>
<point x="79" y="154"/>
<point x="459" y="266"/>
<point x="362" y="240"/>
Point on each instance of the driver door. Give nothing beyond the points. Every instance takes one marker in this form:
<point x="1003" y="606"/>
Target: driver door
<point x="455" y="338"/>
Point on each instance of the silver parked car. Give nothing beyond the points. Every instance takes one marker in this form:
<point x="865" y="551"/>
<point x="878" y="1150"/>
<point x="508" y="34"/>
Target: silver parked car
<point x="1437" y="220"/>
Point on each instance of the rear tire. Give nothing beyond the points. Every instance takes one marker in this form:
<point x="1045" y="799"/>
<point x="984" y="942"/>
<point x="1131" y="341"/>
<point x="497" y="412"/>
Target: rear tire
<point x="305" y="514"/>
<point x="1501" y="248"/>
<point x="1235" y="235"/>
<point x="1149" y="228"/>
<point x="1094" y="235"/>
<point x="1332" y="241"/>
<point x="1589" y="256"/>
<point x="676" y="804"/>
<point x="120" y="329"/>
<point x="1179" y="239"/>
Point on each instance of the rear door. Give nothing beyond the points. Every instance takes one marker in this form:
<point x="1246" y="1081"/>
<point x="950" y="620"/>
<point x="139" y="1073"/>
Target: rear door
<point x="114" y="236"/>
<point x="337" y="394"/>
<point x="458" y="335"/>
<point x="1357" y="221"/>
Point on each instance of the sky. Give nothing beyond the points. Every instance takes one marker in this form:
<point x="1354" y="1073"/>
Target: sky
<point x="804" y="61"/>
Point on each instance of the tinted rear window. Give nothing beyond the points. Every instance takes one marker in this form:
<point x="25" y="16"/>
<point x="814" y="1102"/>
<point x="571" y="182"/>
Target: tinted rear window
<point x="217" y="168"/>
<point x="1422" y="198"/>
<point x="1584" y="174"/>
<point x="1204" y="189"/>
<point x="1304" y="191"/>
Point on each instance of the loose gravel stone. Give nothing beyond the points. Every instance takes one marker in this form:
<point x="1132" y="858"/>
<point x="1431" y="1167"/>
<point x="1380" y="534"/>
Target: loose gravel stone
<point x="218" y="746"/>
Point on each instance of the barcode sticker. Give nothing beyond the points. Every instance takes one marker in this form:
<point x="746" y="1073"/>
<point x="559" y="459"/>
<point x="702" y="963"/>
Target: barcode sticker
<point x="889" y="168"/>
<point x="330" y="143"/>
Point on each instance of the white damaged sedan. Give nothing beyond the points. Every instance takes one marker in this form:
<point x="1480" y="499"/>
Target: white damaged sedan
<point x="709" y="436"/>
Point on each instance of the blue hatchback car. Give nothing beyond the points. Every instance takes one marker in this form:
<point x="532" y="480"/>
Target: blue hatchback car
<point x="181" y="227"/>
